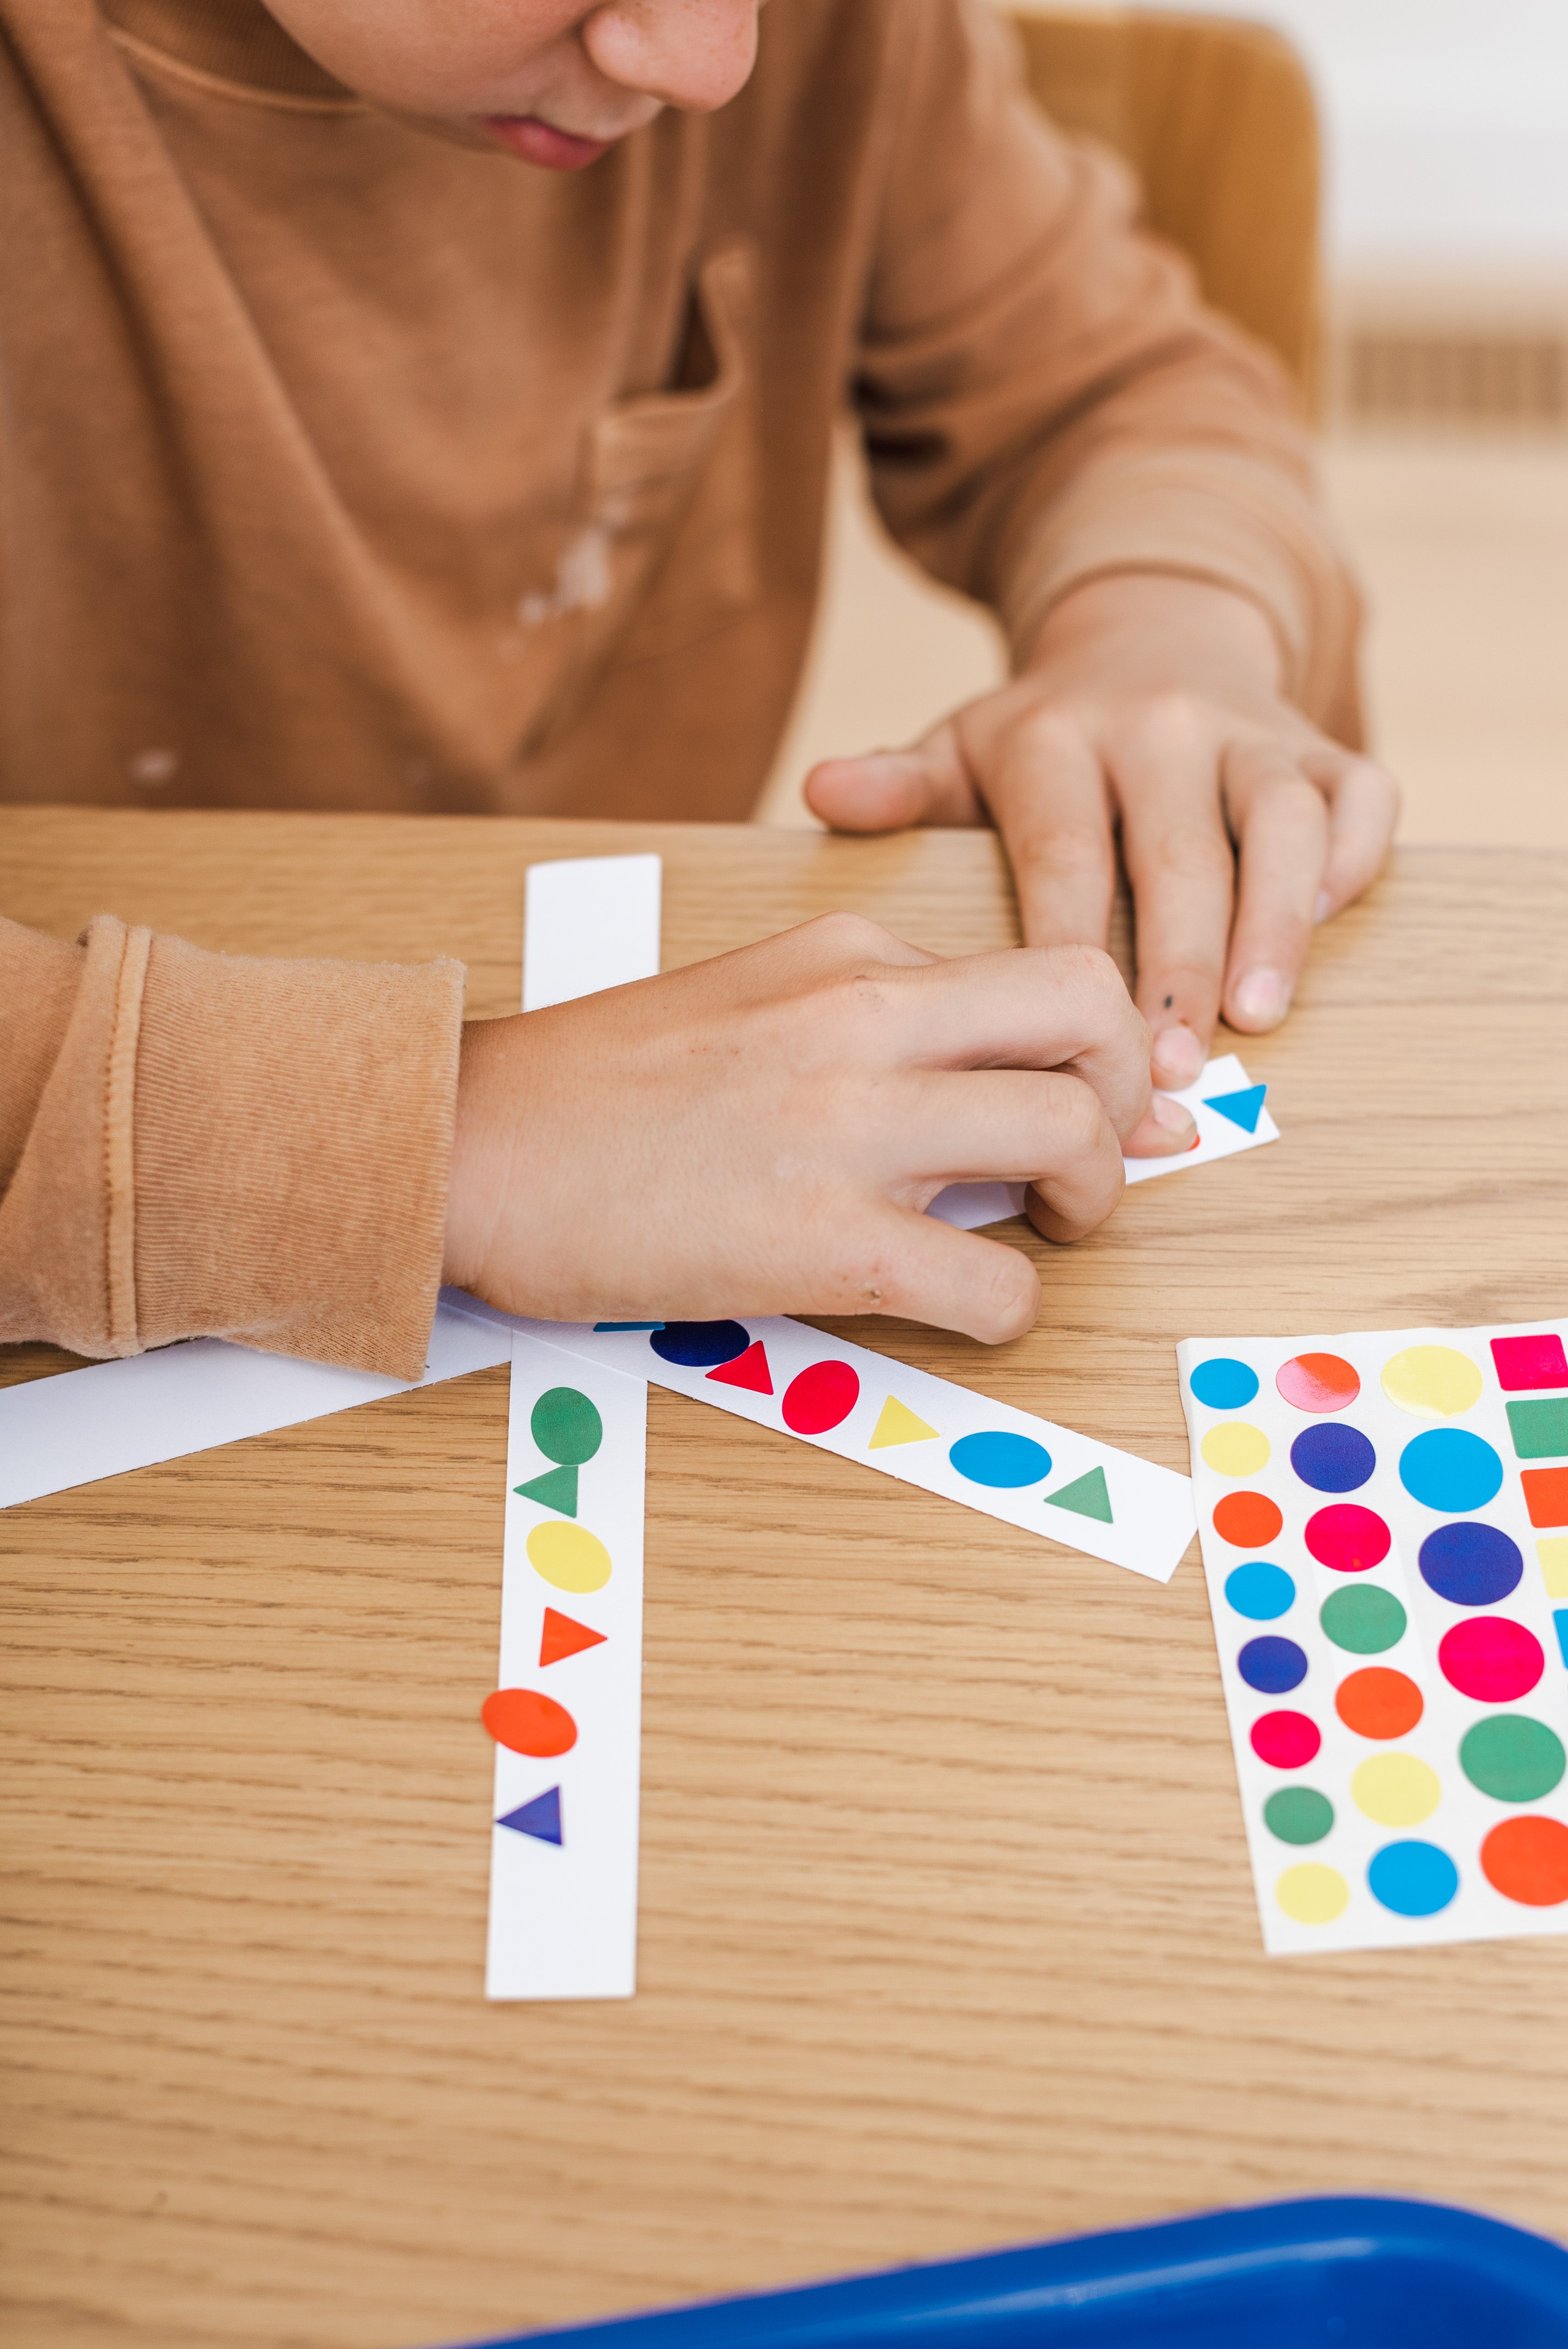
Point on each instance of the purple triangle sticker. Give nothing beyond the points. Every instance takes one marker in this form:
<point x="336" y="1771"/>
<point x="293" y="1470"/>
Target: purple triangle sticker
<point x="540" y="1818"/>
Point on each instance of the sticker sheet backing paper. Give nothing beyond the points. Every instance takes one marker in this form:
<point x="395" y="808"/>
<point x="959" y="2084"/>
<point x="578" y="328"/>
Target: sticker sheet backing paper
<point x="1384" y="1523"/>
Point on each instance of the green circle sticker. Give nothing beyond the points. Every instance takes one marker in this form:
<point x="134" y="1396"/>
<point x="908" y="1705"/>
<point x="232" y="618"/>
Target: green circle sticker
<point x="1362" y="1620"/>
<point x="1298" y="1815"/>
<point x="566" y="1427"/>
<point x="1513" y="1758"/>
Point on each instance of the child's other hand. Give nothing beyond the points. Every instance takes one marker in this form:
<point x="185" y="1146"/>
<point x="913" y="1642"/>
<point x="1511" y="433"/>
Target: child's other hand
<point x="761" y="1134"/>
<point x="1152" y="704"/>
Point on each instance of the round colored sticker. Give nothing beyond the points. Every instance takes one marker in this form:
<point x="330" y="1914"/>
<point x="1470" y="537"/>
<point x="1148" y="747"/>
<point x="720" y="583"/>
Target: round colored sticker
<point x="566" y="1426"/>
<point x="1492" y="1658"/>
<point x="1449" y="1468"/>
<point x="1332" y="1458"/>
<point x="1413" y="1879"/>
<point x="1247" y="1520"/>
<point x="569" y="1558"/>
<point x="1431" y="1382"/>
<point x="1236" y="1448"/>
<point x="1298" y="1815"/>
<point x="1286" y="1741"/>
<point x="821" y="1398"/>
<point x="1260" y="1591"/>
<point x="1222" y="1384"/>
<point x="1363" y="1619"/>
<point x="1272" y="1665"/>
<point x="1347" y="1537"/>
<point x="999" y="1458"/>
<point x="1397" y="1790"/>
<point x="1526" y="1860"/>
<point x="699" y="1345"/>
<point x="1312" y="1894"/>
<point x="526" y="1723"/>
<point x="1513" y="1758"/>
<point x="1317" y="1382"/>
<point x="1378" y="1701"/>
<point x="1470" y="1565"/>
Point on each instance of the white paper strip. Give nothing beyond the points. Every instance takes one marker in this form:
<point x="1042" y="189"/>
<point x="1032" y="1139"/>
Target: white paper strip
<point x="590" y="922"/>
<point x="922" y="1430"/>
<point x="563" y="1858"/>
<point x="82" y="1425"/>
<point x="967" y="1206"/>
<point x="1385" y="1537"/>
<point x="564" y="1862"/>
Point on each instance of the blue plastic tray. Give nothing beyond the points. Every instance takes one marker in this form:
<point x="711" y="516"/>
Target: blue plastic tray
<point x="1346" y="2273"/>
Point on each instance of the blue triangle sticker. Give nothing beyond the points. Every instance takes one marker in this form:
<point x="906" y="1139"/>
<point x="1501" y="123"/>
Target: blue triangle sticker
<point x="540" y="1818"/>
<point x="1242" y="1108"/>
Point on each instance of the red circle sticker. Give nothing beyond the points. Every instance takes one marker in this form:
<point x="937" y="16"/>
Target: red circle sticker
<point x="1492" y="1658"/>
<point x="821" y="1398"/>
<point x="1286" y="1741"/>
<point x="526" y="1723"/>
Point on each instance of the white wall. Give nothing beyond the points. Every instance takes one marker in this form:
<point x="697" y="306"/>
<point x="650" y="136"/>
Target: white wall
<point x="1447" y="123"/>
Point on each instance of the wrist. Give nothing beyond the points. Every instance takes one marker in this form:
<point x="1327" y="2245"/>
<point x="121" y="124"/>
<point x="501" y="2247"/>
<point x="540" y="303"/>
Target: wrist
<point x="1167" y="631"/>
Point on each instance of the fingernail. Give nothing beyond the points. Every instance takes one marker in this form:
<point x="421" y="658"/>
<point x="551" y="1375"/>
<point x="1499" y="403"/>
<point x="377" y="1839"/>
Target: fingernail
<point x="1177" y="1058"/>
<point x="1323" y="907"/>
<point x="1173" y="1118"/>
<point x="1263" y="997"/>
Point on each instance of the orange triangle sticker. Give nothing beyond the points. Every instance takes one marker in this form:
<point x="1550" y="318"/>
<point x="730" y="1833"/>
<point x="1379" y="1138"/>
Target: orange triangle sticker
<point x="563" y="1637"/>
<point x="749" y="1370"/>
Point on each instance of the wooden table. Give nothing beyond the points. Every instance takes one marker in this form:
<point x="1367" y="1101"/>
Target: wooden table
<point x="948" y="1936"/>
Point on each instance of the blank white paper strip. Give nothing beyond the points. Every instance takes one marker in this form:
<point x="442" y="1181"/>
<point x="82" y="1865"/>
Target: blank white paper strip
<point x="589" y="923"/>
<point x="82" y="1425"/>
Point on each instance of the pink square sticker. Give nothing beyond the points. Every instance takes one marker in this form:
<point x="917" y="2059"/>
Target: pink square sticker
<point x="1526" y="1363"/>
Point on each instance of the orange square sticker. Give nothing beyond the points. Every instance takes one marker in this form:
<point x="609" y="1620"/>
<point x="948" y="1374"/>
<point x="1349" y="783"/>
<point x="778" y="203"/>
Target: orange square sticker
<point x="1546" y="1495"/>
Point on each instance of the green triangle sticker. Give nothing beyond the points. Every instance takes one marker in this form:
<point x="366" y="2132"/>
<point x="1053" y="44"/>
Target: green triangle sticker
<point x="557" y="1489"/>
<point x="1086" y="1498"/>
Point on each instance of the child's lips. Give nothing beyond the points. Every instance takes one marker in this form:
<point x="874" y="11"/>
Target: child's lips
<point x="539" y="143"/>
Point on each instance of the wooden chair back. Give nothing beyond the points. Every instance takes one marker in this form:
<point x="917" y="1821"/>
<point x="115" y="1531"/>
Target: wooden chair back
<point x="1218" y="119"/>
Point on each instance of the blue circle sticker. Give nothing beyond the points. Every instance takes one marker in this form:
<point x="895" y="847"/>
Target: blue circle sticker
<point x="1449" y="1468"/>
<point x="1222" y="1384"/>
<point x="1260" y="1591"/>
<point x="1271" y="1665"/>
<point x="1000" y="1458"/>
<point x="699" y="1345"/>
<point x="1331" y="1457"/>
<point x="1413" y="1879"/>
<point x="1470" y="1565"/>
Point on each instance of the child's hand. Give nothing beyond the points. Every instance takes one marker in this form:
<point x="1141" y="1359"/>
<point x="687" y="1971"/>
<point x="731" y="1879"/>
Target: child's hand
<point x="1152" y="704"/>
<point x="761" y="1134"/>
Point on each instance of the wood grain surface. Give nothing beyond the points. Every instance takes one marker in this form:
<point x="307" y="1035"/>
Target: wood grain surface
<point x="948" y="1936"/>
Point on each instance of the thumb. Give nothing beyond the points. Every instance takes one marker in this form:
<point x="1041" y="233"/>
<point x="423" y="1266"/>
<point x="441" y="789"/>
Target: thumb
<point x="887" y="791"/>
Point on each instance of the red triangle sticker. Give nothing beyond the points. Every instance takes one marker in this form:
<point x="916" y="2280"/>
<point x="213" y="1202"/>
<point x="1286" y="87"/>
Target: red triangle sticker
<point x="749" y="1370"/>
<point x="563" y="1637"/>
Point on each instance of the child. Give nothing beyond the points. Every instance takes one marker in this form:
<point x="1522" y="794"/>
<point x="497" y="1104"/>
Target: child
<point x="417" y="407"/>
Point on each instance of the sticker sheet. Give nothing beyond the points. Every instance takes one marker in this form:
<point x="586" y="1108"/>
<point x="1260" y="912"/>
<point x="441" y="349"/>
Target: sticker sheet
<point x="566" y="1712"/>
<point x="922" y="1430"/>
<point x="1230" y="1117"/>
<point x="1384" y="1519"/>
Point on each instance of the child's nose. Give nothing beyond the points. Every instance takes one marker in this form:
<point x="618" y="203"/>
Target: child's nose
<point x="691" y="53"/>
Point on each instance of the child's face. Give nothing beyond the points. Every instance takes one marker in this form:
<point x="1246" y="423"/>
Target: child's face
<point x="555" y="81"/>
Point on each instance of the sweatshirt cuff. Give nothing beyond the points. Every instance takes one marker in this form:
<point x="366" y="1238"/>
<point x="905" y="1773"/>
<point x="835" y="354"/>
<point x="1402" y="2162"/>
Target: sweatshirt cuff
<point x="213" y="1145"/>
<point x="1203" y="515"/>
<point x="278" y="1139"/>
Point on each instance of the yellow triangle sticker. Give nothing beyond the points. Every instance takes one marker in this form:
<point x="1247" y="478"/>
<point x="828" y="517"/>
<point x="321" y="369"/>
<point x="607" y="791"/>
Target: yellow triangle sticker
<point x="898" y="1424"/>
